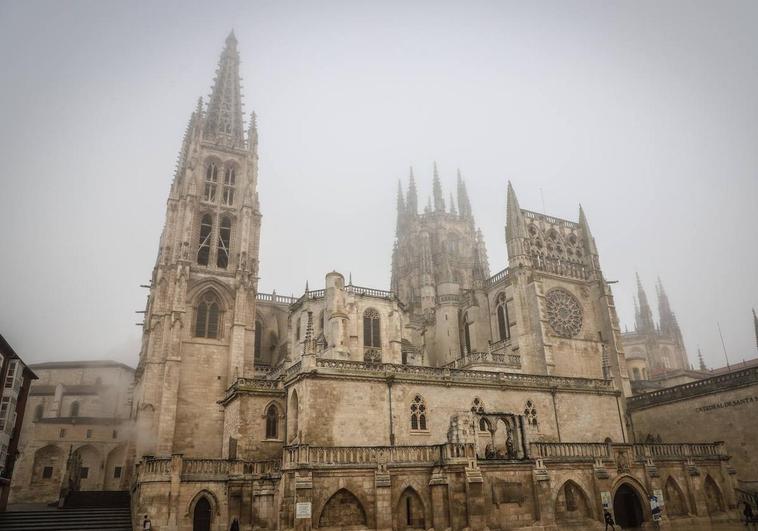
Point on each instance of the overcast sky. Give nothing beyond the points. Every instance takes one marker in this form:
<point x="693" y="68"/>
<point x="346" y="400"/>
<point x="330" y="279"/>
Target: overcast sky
<point x="644" y="112"/>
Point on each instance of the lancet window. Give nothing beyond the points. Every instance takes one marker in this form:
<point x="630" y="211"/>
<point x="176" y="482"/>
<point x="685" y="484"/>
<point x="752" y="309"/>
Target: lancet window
<point x="371" y="327"/>
<point x="503" y="320"/>
<point x="272" y="422"/>
<point x="229" y="179"/>
<point x="258" y="338"/>
<point x="224" y="239"/>
<point x="204" y="248"/>
<point x="211" y="180"/>
<point x="207" y="317"/>
<point x="418" y="414"/>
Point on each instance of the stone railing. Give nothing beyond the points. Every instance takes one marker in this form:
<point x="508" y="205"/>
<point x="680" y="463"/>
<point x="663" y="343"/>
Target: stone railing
<point x="452" y="298"/>
<point x="369" y="292"/>
<point x="204" y="468"/>
<point x="273" y="297"/>
<point x="292" y="370"/>
<point x="155" y="468"/>
<point x="446" y="374"/>
<point x="497" y="278"/>
<point x="553" y="221"/>
<point x="569" y="451"/>
<point x="512" y="361"/>
<point x="265" y="385"/>
<point x="700" y="387"/>
<point x="373" y="455"/>
<point x="500" y="347"/>
<point x="160" y="468"/>
<point x="680" y="450"/>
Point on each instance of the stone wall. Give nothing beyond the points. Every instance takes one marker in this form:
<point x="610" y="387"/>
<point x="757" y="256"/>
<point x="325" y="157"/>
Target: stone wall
<point x="720" y="408"/>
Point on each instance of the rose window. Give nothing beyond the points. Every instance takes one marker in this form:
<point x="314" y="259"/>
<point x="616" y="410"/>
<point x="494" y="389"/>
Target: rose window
<point x="564" y="313"/>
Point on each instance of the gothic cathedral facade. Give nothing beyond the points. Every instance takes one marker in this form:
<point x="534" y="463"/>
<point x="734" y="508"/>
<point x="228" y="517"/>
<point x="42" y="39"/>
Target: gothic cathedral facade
<point x="458" y="399"/>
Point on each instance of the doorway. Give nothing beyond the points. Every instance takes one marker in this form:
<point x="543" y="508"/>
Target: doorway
<point x="201" y="517"/>
<point x="627" y="507"/>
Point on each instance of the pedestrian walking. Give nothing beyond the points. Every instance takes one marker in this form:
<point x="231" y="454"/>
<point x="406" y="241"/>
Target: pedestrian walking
<point x="609" y="521"/>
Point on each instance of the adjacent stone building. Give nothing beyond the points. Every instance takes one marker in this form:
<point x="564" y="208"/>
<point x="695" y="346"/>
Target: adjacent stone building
<point x="77" y="429"/>
<point x="456" y="399"/>
<point x="16" y="378"/>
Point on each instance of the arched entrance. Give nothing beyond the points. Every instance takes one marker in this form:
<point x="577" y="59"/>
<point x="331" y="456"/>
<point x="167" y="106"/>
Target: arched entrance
<point x="201" y="516"/>
<point x="627" y="507"/>
<point x="342" y="510"/>
<point x="410" y="511"/>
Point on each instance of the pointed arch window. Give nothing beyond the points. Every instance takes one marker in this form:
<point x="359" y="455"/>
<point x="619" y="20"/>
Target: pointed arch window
<point x="229" y="179"/>
<point x="211" y="180"/>
<point x="466" y="332"/>
<point x="371" y="329"/>
<point x="208" y="316"/>
<point x="503" y="320"/>
<point x="204" y="247"/>
<point x="224" y="238"/>
<point x="418" y="414"/>
<point x="258" y="337"/>
<point x="272" y="422"/>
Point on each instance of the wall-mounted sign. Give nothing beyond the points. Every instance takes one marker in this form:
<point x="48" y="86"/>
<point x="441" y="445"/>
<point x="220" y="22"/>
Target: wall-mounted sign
<point x="605" y="497"/>
<point x="303" y="510"/>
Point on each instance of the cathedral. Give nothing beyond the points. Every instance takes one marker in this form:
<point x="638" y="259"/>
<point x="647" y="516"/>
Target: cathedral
<point x="457" y="399"/>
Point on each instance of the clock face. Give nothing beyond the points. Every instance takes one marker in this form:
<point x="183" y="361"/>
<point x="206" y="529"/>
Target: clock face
<point x="564" y="312"/>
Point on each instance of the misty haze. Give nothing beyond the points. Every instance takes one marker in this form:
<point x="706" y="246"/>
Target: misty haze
<point x="339" y="265"/>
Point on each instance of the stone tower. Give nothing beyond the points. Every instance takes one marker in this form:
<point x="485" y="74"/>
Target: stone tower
<point x="439" y="256"/>
<point x="569" y="324"/>
<point x="199" y="321"/>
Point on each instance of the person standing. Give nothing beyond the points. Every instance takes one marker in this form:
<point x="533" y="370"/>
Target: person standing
<point x="147" y="525"/>
<point x="609" y="521"/>
<point x="235" y="525"/>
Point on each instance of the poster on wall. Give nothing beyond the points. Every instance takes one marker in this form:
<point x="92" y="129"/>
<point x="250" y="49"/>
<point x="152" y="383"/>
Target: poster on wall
<point x="605" y="497"/>
<point x="303" y="510"/>
<point x="655" y="508"/>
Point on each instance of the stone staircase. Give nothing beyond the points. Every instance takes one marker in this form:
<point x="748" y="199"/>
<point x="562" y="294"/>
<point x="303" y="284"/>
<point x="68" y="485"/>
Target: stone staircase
<point x="105" y="510"/>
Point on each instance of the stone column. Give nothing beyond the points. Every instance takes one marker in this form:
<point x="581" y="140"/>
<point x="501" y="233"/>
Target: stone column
<point x="695" y="494"/>
<point x="438" y="486"/>
<point x="303" y="488"/>
<point x="172" y="519"/>
<point x="383" y="496"/>
<point x="475" y="496"/>
<point x="544" y="508"/>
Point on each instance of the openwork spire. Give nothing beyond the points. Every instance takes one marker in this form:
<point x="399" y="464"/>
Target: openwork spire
<point x="439" y="201"/>
<point x="464" y="206"/>
<point x="400" y="208"/>
<point x="645" y="314"/>
<point x="181" y="161"/>
<point x="700" y="357"/>
<point x="224" y="117"/>
<point x="412" y="198"/>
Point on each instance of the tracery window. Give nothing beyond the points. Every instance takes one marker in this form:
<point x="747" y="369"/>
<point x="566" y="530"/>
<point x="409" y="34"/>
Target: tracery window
<point x="207" y="318"/>
<point x="211" y="180"/>
<point x="229" y="178"/>
<point x="503" y="321"/>
<point x="371" y="325"/>
<point x="477" y="406"/>
<point x="418" y="414"/>
<point x="530" y="414"/>
<point x="224" y="237"/>
<point x="204" y="247"/>
<point x="272" y="422"/>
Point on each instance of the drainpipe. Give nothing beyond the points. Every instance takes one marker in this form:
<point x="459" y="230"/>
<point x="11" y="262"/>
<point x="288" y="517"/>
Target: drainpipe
<point x="389" y="395"/>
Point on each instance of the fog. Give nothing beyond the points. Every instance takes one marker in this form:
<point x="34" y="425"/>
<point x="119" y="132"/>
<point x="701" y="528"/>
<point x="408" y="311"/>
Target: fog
<point x="643" y="112"/>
